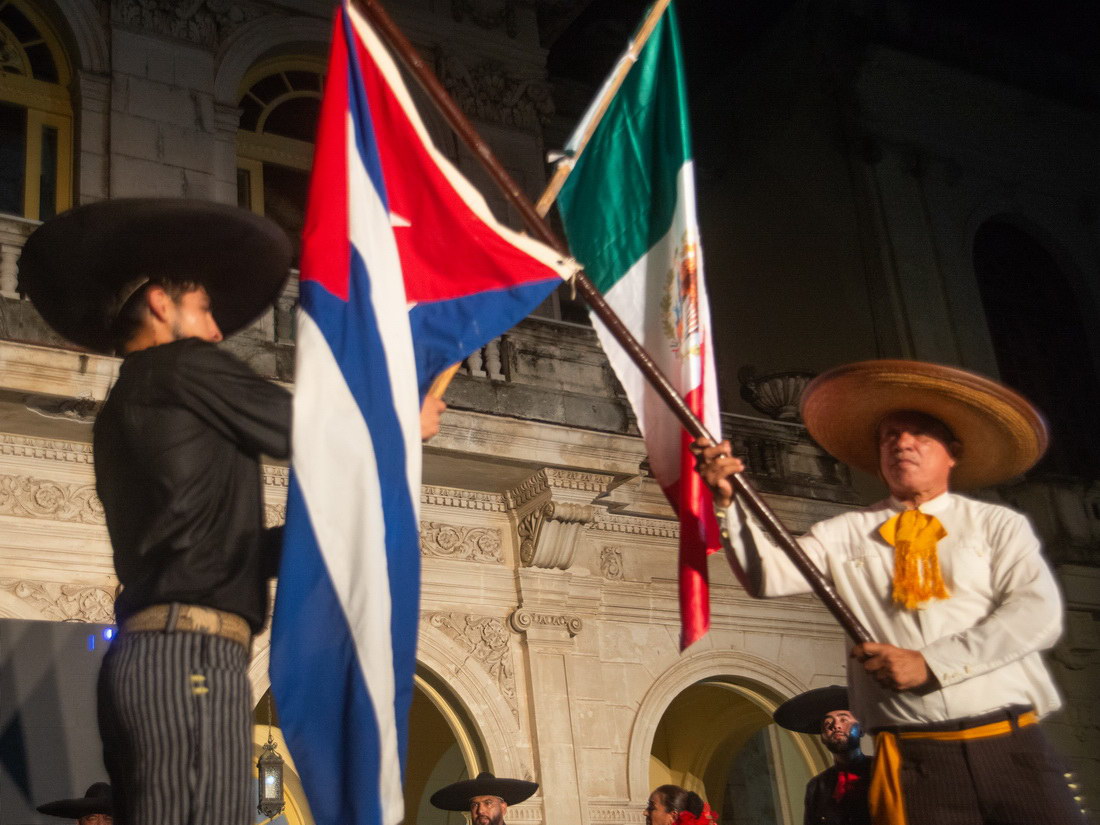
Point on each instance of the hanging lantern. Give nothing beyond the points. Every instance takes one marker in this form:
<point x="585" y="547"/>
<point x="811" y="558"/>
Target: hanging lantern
<point x="270" y="766"/>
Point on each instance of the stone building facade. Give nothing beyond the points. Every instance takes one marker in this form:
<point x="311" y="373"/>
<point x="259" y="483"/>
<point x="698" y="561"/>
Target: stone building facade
<point x="549" y="628"/>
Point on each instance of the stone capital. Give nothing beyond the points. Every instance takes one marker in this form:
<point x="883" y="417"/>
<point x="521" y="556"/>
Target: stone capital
<point x="551" y="509"/>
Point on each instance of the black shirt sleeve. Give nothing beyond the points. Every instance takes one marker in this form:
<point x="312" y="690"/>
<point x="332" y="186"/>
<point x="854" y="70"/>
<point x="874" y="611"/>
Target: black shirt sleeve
<point x="227" y="394"/>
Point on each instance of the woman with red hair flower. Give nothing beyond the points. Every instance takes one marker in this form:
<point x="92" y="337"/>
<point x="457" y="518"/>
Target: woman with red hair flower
<point x="673" y="805"/>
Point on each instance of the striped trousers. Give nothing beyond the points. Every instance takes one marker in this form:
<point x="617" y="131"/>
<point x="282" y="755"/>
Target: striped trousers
<point x="175" y="717"/>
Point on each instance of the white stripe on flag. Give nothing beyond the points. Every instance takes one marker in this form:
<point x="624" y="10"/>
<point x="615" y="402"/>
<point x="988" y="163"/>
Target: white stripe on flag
<point x="345" y="511"/>
<point x="371" y="235"/>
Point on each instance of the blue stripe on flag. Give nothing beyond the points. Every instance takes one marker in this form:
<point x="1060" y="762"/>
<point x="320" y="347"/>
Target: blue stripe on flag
<point x="322" y="699"/>
<point x="365" y="139"/>
<point x="445" y="332"/>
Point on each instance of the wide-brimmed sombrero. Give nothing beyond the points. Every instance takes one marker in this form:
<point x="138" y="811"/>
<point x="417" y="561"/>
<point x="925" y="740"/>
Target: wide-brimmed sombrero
<point x="1001" y="433"/>
<point x="456" y="797"/>
<point x="96" y="800"/>
<point x="804" y="712"/>
<point x="80" y="267"/>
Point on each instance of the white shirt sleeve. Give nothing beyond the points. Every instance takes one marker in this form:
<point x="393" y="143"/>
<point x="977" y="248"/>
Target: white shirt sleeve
<point x="757" y="558"/>
<point x="1026" y="615"/>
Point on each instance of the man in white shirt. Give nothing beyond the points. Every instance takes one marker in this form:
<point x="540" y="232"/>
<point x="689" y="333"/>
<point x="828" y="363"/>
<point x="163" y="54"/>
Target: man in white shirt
<point x="955" y="590"/>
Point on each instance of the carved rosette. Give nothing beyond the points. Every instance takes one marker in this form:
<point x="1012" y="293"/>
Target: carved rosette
<point x="523" y="620"/>
<point x="482" y="544"/>
<point x="485" y="639"/>
<point x="31" y="497"/>
<point x="611" y="563"/>
<point x="64" y="602"/>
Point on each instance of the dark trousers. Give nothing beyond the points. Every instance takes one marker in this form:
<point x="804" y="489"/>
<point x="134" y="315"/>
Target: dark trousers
<point x="1015" y="779"/>
<point x="175" y="715"/>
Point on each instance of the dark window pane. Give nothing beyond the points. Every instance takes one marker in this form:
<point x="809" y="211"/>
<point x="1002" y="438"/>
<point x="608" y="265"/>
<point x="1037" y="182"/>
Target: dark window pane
<point x="13" y="148"/>
<point x="269" y="88"/>
<point x="304" y="81"/>
<point x="20" y="26"/>
<point x="250" y="113"/>
<point x="296" y="118"/>
<point x="285" y="193"/>
<point x="42" y="63"/>
<point x="244" y="189"/>
<point x="47" y="182"/>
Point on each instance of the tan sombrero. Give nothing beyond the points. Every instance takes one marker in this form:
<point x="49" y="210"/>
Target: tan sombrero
<point x="1002" y="434"/>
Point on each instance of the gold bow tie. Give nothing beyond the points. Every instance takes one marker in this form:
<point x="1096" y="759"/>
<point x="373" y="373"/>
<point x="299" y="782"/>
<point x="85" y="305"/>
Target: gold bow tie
<point x="917" y="576"/>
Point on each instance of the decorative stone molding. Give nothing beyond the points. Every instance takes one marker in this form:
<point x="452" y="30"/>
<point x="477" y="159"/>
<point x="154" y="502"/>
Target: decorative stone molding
<point x="205" y="22"/>
<point x="657" y="528"/>
<point x="486" y="639"/>
<point x="30" y="497"/>
<point x="488" y="14"/>
<point x="64" y="602"/>
<point x="275" y="476"/>
<point x="274" y="514"/>
<point x="613" y="815"/>
<point x="611" y="563"/>
<point x="552" y="508"/>
<point x="22" y="446"/>
<point x="523" y="620"/>
<point x="481" y="544"/>
<point x="462" y="499"/>
<point x="489" y="92"/>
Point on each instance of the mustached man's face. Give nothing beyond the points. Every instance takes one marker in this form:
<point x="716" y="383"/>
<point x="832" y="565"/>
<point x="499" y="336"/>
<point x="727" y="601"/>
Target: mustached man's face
<point x="835" y="727"/>
<point x="487" y="810"/>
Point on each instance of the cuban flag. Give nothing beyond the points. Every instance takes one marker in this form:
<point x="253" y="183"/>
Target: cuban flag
<point x="404" y="271"/>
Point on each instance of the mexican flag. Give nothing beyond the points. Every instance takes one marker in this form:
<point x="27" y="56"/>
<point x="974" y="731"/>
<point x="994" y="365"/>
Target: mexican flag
<point x="629" y="214"/>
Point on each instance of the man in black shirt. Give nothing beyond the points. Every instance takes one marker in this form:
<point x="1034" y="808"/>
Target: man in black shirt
<point x="177" y="450"/>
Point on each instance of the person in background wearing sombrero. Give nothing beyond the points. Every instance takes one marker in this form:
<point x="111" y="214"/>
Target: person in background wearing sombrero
<point x="485" y="799"/>
<point x="94" y="808"/>
<point x="837" y="795"/>
<point x="177" y="449"/>
<point x="955" y="590"/>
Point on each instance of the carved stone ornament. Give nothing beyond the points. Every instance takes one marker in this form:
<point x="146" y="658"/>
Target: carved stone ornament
<point x="485" y="639"/>
<point x="81" y="409"/>
<point x="491" y="93"/>
<point x="64" y="602"/>
<point x="484" y="544"/>
<point x="611" y="563"/>
<point x="488" y="14"/>
<point x="523" y="620"/>
<point x="548" y="535"/>
<point x="205" y="22"/>
<point x="30" y="497"/>
<point x="776" y="395"/>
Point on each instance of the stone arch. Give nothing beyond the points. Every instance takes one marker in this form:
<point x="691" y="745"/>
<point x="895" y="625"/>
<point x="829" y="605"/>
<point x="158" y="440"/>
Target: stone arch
<point x="703" y="665"/>
<point x="262" y="38"/>
<point x="482" y="702"/>
<point x="80" y="20"/>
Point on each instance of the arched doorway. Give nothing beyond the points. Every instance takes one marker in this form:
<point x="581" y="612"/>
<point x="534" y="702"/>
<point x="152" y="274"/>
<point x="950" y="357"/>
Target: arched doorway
<point x="717" y="738"/>
<point x="1036" y="324"/>
<point x="444" y="747"/>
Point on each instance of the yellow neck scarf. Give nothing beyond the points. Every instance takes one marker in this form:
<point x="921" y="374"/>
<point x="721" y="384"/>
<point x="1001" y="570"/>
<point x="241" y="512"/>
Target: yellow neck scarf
<point x="917" y="577"/>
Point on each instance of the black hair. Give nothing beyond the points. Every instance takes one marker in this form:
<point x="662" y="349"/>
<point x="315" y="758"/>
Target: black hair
<point x="135" y="310"/>
<point x="677" y="799"/>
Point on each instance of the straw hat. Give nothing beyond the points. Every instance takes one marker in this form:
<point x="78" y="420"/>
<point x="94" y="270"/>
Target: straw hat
<point x="457" y="796"/>
<point x="96" y="800"/>
<point x="804" y="712"/>
<point x="1001" y="433"/>
<point x="80" y="267"/>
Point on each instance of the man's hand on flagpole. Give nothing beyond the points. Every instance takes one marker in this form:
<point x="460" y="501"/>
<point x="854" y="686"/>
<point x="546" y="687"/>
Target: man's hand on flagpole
<point x="716" y="464"/>
<point x="430" y="412"/>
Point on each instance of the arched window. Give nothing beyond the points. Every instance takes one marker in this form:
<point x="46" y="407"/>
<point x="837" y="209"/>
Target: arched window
<point x="1038" y="333"/>
<point x="36" y="116"/>
<point x="280" y="101"/>
<point x="717" y="738"/>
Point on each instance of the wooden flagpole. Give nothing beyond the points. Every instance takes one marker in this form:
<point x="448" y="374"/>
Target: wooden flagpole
<point x="595" y="113"/>
<point x="387" y="29"/>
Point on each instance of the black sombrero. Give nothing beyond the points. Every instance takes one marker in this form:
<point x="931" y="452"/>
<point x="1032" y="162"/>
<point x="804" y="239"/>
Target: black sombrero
<point x="96" y="800"/>
<point x="80" y="267"/>
<point x="456" y="797"/>
<point x="804" y="712"/>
